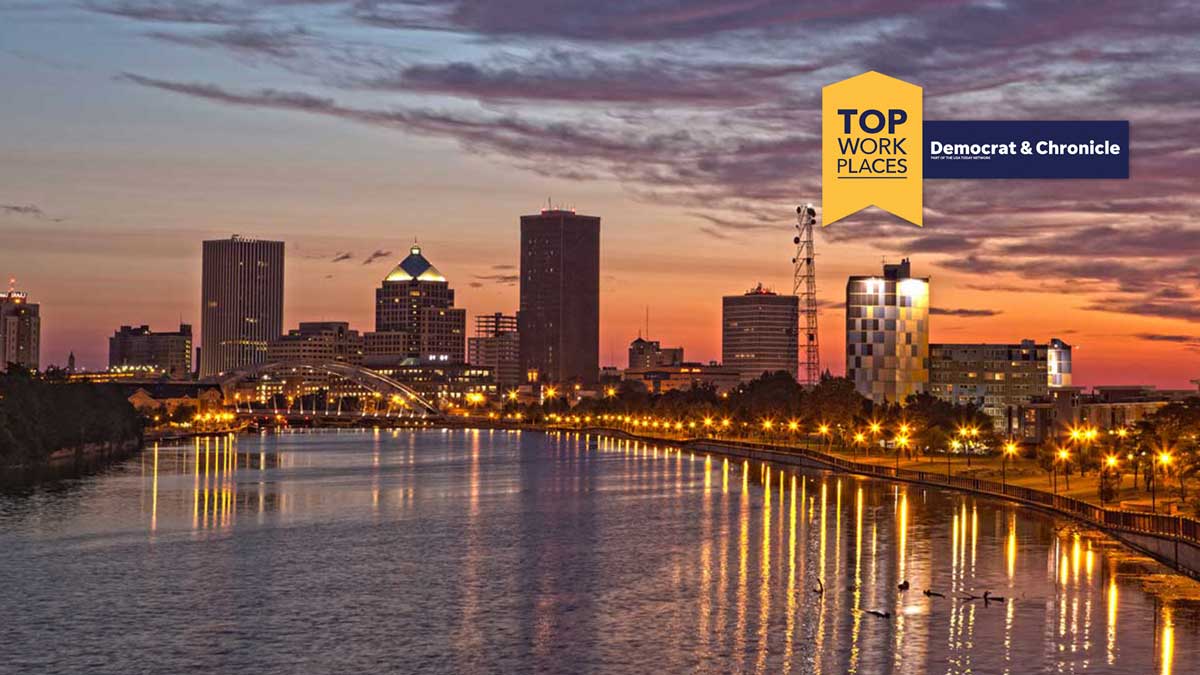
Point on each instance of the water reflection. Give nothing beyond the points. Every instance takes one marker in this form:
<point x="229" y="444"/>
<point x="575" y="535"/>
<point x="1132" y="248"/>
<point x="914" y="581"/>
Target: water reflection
<point x="478" y="551"/>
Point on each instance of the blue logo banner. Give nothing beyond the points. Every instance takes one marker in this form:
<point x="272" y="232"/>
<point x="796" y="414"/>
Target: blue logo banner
<point x="1026" y="149"/>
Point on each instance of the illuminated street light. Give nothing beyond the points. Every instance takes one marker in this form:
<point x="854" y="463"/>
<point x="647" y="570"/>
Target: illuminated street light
<point x="1063" y="456"/>
<point x="1010" y="449"/>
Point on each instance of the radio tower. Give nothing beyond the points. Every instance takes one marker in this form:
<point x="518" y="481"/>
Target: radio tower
<point x="804" y="285"/>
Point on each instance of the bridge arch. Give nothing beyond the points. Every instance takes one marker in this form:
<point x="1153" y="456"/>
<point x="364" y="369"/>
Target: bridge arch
<point x="365" y="377"/>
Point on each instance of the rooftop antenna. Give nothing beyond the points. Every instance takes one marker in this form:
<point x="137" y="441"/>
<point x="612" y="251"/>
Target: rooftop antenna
<point x="804" y="285"/>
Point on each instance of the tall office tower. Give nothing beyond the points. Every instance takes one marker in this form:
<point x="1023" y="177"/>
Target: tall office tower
<point x="415" y="317"/>
<point x="497" y="346"/>
<point x="169" y="353"/>
<point x="316" y="341"/>
<point x="887" y="333"/>
<point x="758" y="332"/>
<point x="645" y="353"/>
<point x="560" y="297"/>
<point x="241" y="308"/>
<point x="20" y="330"/>
<point x="1058" y="361"/>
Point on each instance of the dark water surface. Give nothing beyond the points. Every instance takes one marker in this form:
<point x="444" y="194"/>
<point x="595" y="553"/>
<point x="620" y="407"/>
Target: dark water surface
<point x="496" y="552"/>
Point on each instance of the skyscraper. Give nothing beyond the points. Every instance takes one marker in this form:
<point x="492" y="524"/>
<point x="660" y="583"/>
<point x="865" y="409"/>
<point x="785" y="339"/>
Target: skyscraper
<point x="887" y="333"/>
<point x="20" y="331"/>
<point x="415" y="317"/>
<point x="560" y="297"/>
<point x="241" y="308"/>
<point x="497" y="346"/>
<point x="758" y="332"/>
<point x="169" y="353"/>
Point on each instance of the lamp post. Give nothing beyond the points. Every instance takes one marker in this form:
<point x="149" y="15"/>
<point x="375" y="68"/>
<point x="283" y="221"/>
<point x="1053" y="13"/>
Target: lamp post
<point x="1010" y="449"/>
<point x="968" y="434"/>
<point x="1164" y="458"/>
<point x="875" y="428"/>
<point x="954" y="445"/>
<point x="824" y="431"/>
<point x="901" y="442"/>
<point x="1063" y="456"/>
<point x="859" y="439"/>
<point x="1110" y="462"/>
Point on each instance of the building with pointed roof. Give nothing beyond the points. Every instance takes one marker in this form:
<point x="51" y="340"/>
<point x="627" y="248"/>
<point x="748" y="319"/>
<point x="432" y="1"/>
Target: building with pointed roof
<point x="415" y="316"/>
<point x="415" y="267"/>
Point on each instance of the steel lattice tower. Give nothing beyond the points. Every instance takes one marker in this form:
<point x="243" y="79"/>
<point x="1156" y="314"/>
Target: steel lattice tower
<point x="804" y="285"/>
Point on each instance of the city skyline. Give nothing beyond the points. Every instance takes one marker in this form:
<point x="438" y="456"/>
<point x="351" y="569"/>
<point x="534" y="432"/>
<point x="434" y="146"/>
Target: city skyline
<point x="347" y="132"/>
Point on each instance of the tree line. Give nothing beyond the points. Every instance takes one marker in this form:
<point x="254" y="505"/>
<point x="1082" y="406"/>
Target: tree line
<point x="38" y="417"/>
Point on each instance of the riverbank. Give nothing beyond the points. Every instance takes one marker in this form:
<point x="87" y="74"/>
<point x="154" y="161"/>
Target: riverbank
<point x="1173" y="540"/>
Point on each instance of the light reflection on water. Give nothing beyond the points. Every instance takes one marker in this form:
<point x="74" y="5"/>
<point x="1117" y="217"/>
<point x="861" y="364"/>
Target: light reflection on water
<point x="493" y="551"/>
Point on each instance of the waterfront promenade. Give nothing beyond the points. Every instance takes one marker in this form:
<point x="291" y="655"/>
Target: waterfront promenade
<point x="1172" y="539"/>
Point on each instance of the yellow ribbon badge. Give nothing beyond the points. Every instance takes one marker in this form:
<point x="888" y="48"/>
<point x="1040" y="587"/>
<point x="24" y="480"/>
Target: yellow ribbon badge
<point x="871" y="147"/>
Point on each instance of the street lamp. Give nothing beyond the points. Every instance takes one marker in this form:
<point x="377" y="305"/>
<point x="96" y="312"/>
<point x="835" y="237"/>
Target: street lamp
<point x="901" y="442"/>
<point x="1063" y="455"/>
<point x="1010" y="449"/>
<point x="1110" y="463"/>
<point x="859" y="439"/>
<point x="1164" y="458"/>
<point x="968" y="434"/>
<point x="955" y="445"/>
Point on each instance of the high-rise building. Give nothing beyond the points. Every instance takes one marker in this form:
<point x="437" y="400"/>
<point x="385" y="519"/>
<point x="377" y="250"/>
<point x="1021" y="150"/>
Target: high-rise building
<point x="999" y="378"/>
<point x="758" y="332"/>
<point x="20" y="331"/>
<point x="316" y="341"/>
<point x="1058" y="363"/>
<point x="497" y="346"/>
<point x="887" y="333"/>
<point x="138" y="347"/>
<point x="560" y="297"/>
<point x="415" y="317"/>
<point x="241" y="308"/>
<point x="645" y="353"/>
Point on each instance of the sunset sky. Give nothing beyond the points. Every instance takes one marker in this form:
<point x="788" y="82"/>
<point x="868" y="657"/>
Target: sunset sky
<point x="133" y="129"/>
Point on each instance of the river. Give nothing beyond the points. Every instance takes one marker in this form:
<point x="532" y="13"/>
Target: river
<point x="487" y="551"/>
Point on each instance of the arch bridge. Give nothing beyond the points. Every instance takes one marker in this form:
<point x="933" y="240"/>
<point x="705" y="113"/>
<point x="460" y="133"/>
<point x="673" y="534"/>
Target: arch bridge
<point x="376" y="383"/>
